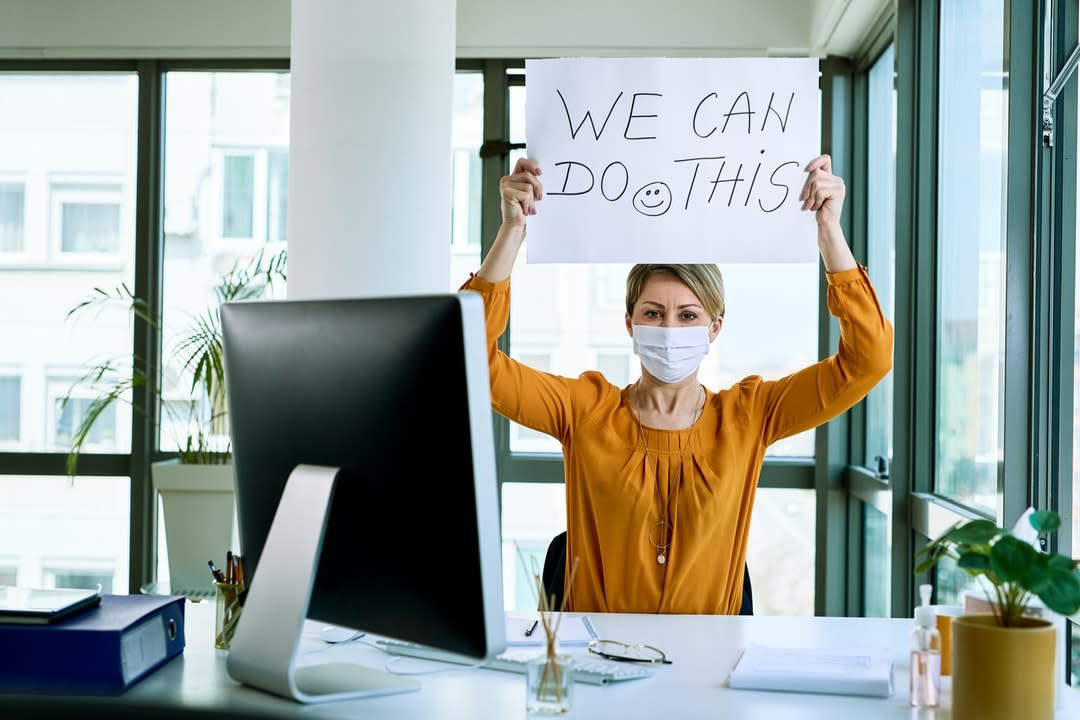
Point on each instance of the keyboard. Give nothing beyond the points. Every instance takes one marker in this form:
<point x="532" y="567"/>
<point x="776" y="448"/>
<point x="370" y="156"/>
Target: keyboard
<point x="596" y="671"/>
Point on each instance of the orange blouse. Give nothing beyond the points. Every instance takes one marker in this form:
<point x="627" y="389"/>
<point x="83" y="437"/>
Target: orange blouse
<point x="711" y="470"/>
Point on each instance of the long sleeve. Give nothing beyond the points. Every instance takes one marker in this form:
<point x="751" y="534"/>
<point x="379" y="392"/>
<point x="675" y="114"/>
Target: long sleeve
<point x="542" y="401"/>
<point x="820" y="392"/>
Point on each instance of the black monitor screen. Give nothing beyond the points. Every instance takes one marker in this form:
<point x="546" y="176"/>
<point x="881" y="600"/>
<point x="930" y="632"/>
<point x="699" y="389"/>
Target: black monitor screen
<point x="387" y="389"/>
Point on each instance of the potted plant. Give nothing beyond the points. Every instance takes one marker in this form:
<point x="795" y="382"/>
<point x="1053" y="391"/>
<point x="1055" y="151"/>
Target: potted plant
<point x="196" y="488"/>
<point x="1003" y="662"/>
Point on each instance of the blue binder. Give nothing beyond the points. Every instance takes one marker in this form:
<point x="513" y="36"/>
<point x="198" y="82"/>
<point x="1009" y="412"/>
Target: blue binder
<point x="102" y="651"/>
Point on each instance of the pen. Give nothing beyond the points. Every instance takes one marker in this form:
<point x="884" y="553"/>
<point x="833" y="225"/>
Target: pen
<point x="529" y="630"/>
<point x="589" y="626"/>
<point x="218" y="575"/>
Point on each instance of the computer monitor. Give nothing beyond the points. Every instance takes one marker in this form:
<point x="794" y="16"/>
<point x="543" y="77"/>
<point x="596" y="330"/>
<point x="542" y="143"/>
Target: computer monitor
<point x="392" y="395"/>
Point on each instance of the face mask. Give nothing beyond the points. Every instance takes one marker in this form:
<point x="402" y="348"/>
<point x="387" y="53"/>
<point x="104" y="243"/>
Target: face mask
<point x="671" y="354"/>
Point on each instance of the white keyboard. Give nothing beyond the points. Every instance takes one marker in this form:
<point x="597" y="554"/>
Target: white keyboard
<point x="596" y="671"/>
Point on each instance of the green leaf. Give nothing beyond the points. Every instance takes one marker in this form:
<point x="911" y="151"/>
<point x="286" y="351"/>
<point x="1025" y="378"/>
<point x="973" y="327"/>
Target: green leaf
<point x="976" y="532"/>
<point x="1062" y="592"/>
<point x="974" y="561"/>
<point x="1039" y="574"/>
<point x="1062" y="562"/>
<point x="929" y="562"/>
<point x="1045" y="521"/>
<point x="1011" y="559"/>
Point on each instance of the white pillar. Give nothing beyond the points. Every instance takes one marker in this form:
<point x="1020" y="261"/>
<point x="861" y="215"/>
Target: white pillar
<point x="369" y="147"/>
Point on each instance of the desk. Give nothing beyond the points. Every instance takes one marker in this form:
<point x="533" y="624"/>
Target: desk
<point x="703" y="648"/>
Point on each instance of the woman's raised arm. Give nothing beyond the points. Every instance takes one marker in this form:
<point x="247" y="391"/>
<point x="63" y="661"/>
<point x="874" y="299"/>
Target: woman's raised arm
<point x="519" y="191"/>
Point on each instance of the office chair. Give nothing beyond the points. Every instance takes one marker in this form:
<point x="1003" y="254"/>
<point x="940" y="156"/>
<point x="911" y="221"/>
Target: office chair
<point x="554" y="575"/>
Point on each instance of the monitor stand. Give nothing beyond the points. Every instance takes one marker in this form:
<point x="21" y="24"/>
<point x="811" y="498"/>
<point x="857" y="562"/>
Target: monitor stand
<point x="263" y="650"/>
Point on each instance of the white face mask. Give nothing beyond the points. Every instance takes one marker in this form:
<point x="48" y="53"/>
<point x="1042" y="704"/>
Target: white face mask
<point x="671" y="354"/>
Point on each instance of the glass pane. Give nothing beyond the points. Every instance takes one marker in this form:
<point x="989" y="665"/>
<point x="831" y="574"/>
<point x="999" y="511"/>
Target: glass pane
<point x="56" y="532"/>
<point x="770" y="327"/>
<point x="971" y="254"/>
<point x="881" y="236"/>
<point x="10" y="412"/>
<point x="780" y="554"/>
<point x="1076" y="409"/>
<point x="468" y="134"/>
<point x="877" y="562"/>
<point x="532" y="514"/>
<point x="66" y="223"/>
<point x="90" y="228"/>
<point x="952" y="583"/>
<point x="239" y="196"/>
<point x="225" y="181"/>
<point x="1075" y="660"/>
<point x="277" y="196"/>
<point x="12" y="216"/>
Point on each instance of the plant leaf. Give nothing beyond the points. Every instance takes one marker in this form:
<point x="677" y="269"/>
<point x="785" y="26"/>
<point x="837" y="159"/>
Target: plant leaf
<point x="1045" y="521"/>
<point x="976" y="561"/>
<point x="1062" y="562"/>
<point x="1062" y="593"/>
<point x="929" y="562"/>
<point x="976" y="532"/>
<point x="1011" y="559"/>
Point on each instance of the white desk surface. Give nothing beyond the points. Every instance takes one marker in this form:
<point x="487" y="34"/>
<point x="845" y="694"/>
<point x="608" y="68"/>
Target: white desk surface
<point x="703" y="650"/>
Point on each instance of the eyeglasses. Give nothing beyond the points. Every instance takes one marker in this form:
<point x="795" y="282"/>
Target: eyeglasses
<point x="637" y="652"/>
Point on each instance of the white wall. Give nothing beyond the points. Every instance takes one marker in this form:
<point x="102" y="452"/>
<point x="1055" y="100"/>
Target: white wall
<point x="485" y="28"/>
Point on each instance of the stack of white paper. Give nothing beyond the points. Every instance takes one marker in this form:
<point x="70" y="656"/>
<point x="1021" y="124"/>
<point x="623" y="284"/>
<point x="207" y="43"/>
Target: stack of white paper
<point x="837" y="672"/>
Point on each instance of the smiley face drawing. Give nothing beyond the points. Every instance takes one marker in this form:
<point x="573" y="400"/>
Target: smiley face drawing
<point x="653" y="199"/>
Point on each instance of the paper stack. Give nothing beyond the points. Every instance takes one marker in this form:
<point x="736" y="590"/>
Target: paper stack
<point x="836" y="672"/>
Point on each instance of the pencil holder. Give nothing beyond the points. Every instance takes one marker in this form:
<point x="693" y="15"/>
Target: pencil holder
<point x="226" y="614"/>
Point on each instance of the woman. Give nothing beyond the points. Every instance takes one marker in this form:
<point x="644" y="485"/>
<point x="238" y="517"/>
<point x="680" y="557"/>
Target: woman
<point x="661" y="474"/>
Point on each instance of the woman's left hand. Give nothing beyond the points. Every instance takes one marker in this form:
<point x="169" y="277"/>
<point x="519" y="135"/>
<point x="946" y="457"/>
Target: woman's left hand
<point x="823" y="192"/>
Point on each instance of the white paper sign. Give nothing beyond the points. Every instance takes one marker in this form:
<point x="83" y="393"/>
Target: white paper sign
<point x="672" y="160"/>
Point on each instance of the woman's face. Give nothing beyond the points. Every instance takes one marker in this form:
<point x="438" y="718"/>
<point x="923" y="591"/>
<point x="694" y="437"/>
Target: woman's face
<point x="666" y="301"/>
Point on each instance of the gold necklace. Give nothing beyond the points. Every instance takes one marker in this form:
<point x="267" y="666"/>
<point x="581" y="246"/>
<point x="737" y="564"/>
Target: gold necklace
<point x="663" y="526"/>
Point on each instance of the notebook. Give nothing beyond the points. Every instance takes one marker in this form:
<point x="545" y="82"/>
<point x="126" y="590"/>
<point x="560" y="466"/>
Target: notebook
<point x="574" y="630"/>
<point x="835" y="672"/>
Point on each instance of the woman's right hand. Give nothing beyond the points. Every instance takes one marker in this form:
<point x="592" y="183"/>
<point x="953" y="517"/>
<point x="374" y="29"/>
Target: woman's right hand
<point x="520" y="191"/>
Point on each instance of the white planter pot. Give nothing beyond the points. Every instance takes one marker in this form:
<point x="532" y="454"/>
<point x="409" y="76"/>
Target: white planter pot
<point x="200" y="520"/>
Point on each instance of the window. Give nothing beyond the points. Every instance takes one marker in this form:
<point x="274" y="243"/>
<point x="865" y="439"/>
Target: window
<point x="877" y="557"/>
<point x="10" y="410"/>
<point x="86" y="218"/>
<point x="226" y="176"/>
<point x="12" y="216"/>
<point x="618" y="366"/>
<point x="780" y="552"/>
<point x="972" y="169"/>
<point x="73" y="138"/>
<point x="881" y="236"/>
<point x="238" y="203"/>
<point x="65" y="532"/>
<point x="277" y="196"/>
<point x="523" y="438"/>
<point x="86" y="577"/>
<point x="468" y="134"/>
<point x="103" y="436"/>
<point x="532" y="514"/>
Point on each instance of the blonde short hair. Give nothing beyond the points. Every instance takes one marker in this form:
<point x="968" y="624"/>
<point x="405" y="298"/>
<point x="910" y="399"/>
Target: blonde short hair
<point x="705" y="281"/>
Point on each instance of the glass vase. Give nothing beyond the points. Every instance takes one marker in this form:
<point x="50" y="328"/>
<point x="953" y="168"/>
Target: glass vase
<point x="549" y="684"/>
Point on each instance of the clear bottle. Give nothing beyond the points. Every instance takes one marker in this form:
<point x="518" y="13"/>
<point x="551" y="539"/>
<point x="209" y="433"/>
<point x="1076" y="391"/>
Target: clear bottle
<point x="925" y="655"/>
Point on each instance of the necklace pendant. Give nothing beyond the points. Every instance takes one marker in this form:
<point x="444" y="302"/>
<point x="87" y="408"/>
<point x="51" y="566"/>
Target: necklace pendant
<point x="660" y="559"/>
